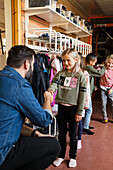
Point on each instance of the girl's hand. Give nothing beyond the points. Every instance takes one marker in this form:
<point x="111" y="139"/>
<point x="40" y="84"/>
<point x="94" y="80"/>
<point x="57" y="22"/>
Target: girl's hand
<point x="110" y="91"/>
<point x="51" y="91"/>
<point x="48" y="96"/>
<point x="78" y="118"/>
<point x="96" y="89"/>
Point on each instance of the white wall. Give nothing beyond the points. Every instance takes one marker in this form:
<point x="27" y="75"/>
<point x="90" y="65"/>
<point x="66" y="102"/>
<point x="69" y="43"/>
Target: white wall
<point x="2" y="61"/>
<point x="8" y="24"/>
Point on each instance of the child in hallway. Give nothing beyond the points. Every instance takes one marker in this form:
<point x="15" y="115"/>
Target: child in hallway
<point x="71" y="85"/>
<point x="106" y="85"/>
<point x="86" y="106"/>
<point x="91" y="60"/>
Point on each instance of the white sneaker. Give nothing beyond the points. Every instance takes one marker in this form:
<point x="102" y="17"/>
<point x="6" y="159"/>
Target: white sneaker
<point x="58" y="161"/>
<point x="79" y="144"/>
<point x="72" y="163"/>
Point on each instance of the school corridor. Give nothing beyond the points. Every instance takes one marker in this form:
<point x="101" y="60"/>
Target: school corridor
<point x="97" y="150"/>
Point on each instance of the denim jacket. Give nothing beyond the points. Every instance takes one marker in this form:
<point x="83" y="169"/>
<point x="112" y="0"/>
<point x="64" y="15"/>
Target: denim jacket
<point x="17" y="101"/>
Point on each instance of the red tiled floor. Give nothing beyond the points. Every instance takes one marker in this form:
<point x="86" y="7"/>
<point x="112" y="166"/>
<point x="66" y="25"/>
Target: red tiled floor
<point x="97" y="149"/>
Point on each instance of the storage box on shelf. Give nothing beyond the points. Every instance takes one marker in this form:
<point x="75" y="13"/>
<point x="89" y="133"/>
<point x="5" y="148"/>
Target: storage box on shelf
<point x="53" y="4"/>
<point x="61" y="9"/>
<point x="69" y="15"/>
<point x="41" y="3"/>
<point x="72" y="17"/>
<point x="82" y="23"/>
<point x="77" y="20"/>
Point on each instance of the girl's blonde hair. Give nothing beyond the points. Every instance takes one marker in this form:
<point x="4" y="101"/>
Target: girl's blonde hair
<point x="108" y="57"/>
<point x="74" y="54"/>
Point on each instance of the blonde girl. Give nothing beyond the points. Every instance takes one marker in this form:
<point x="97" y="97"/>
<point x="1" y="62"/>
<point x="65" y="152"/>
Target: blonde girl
<point x="71" y="86"/>
<point x="106" y="85"/>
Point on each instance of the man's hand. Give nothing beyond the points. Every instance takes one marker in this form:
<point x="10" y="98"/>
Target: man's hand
<point x="48" y="98"/>
<point x="37" y="133"/>
<point x="78" y="118"/>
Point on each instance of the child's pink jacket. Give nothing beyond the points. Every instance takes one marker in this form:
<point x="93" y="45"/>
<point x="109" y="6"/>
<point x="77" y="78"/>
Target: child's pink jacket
<point x="107" y="79"/>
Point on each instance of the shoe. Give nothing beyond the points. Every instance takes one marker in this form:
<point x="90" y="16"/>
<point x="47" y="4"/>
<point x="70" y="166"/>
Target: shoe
<point x="72" y="163"/>
<point x="58" y="161"/>
<point x="91" y="127"/>
<point x="88" y="132"/>
<point x="105" y="120"/>
<point x="79" y="144"/>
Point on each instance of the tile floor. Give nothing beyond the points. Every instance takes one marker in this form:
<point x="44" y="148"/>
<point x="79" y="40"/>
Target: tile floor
<point x="97" y="150"/>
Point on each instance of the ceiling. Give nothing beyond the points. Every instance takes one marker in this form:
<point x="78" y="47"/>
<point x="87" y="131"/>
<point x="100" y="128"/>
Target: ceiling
<point x="91" y="8"/>
<point x="101" y="11"/>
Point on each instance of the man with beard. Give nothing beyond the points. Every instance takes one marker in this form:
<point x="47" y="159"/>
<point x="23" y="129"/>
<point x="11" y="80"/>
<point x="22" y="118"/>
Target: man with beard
<point x="17" y="101"/>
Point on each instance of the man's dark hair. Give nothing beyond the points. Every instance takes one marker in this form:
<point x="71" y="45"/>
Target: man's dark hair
<point x="90" y="57"/>
<point x="18" y="54"/>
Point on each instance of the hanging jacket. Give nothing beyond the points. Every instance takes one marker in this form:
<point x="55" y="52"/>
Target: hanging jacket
<point x="38" y="81"/>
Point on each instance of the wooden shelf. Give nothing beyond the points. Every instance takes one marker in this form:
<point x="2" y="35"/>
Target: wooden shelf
<point x="56" y="42"/>
<point x="56" y="19"/>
